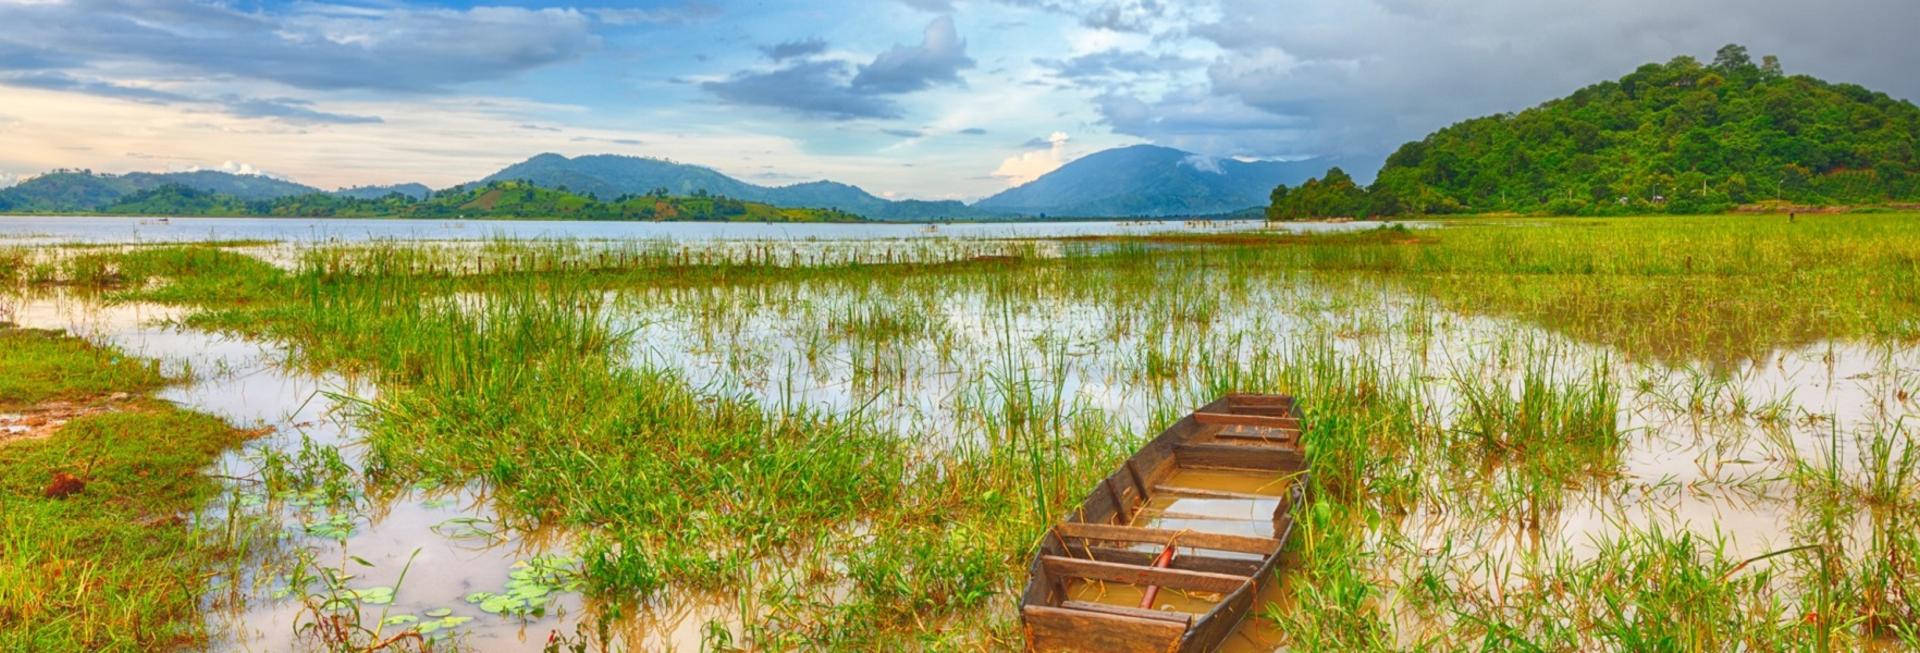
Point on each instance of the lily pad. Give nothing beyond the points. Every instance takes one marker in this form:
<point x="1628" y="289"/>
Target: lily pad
<point x="374" y="595"/>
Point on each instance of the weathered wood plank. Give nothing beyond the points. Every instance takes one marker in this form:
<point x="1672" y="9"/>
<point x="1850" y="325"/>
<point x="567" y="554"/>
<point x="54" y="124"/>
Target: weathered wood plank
<point x="1189" y="561"/>
<point x="1182" y="618"/>
<point x="1228" y="456"/>
<point x="1241" y="399"/>
<point x="1051" y="629"/>
<point x="1194" y="539"/>
<point x="1257" y="434"/>
<point x="1237" y="419"/>
<point x="1114" y="572"/>
<point x="1203" y="493"/>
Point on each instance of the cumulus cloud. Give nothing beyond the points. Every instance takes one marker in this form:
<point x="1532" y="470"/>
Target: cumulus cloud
<point x="795" y="49"/>
<point x="938" y="59"/>
<point x="817" y="88"/>
<point x="823" y="88"/>
<point x="1028" y="166"/>
<point x="307" y="45"/>
<point x="9" y="180"/>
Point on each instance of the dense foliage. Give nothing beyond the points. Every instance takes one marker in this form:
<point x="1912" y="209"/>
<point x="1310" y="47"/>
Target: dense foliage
<point x="498" y="199"/>
<point x="1335" y="196"/>
<point x="1679" y="137"/>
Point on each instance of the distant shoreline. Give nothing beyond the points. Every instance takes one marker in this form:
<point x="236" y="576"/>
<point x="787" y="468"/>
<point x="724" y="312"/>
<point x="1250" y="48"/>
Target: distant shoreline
<point x="869" y="221"/>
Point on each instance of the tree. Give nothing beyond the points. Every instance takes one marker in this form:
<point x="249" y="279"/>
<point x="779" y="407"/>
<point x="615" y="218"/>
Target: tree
<point x="1332" y="195"/>
<point x="1732" y="58"/>
<point x="1276" y="199"/>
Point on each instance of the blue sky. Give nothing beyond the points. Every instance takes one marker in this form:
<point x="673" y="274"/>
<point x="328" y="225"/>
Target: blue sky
<point x="906" y="98"/>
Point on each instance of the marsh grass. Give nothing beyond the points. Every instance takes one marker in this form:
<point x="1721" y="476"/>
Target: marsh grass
<point x="123" y="564"/>
<point x="889" y="429"/>
<point x="40" y="366"/>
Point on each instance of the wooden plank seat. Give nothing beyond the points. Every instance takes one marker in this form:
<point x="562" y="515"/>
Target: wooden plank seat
<point x="1202" y="493"/>
<point x="1230" y="456"/>
<point x="1238" y="419"/>
<point x="1115" y="572"/>
<point x="1192" y="539"/>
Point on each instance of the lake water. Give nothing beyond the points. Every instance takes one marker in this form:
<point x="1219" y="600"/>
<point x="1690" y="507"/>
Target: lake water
<point x="100" y="229"/>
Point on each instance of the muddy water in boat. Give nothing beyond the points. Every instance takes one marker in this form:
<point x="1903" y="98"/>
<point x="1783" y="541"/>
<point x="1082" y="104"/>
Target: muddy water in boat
<point x="1237" y="516"/>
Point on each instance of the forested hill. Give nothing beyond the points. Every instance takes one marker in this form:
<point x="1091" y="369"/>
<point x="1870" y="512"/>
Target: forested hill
<point x="1679" y="137"/>
<point x="496" y="199"/>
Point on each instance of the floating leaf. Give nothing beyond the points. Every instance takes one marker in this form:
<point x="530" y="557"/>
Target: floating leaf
<point x="399" y="620"/>
<point x="374" y="595"/>
<point x="439" y="612"/>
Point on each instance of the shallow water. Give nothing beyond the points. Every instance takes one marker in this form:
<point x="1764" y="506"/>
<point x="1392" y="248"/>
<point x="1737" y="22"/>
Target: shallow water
<point x="100" y="229"/>
<point x="244" y="383"/>
<point x="1707" y="446"/>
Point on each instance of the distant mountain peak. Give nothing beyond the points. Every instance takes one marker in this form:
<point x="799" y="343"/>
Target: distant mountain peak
<point x="1150" y="181"/>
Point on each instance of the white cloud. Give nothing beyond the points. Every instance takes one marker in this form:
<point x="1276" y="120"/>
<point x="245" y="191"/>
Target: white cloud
<point x="8" y="179"/>
<point x="1028" y="166"/>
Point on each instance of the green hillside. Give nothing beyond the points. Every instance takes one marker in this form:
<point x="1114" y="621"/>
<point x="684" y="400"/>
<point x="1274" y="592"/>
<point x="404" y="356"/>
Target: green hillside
<point x="498" y="199"/>
<point x="1679" y="137"/>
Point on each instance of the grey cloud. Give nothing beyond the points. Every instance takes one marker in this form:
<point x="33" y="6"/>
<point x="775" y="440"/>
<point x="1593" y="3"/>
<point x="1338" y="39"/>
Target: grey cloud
<point x="822" y="88"/>
<point x="315" y="46"/>
<point x="795" y="49"/>
<point x="974" y="131"/>
<point x="903" y="133"/>
<point x="1036" y="142"/>
<point x="287" y="110"/>
<point x="1157" y="17"/>
<point x="809" y="87"/>
<point x="1424" y="64"/>
<point x="1109" y="64"/>
<point x="291" y="111"/>
<point x="1191" y="119"/>
<point x="57" y="81"/>
<point x="938" y="59"/>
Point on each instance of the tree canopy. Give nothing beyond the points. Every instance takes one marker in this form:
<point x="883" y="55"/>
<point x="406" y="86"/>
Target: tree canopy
<point x="1678" y="137"/>
<point x="495" y="199"/>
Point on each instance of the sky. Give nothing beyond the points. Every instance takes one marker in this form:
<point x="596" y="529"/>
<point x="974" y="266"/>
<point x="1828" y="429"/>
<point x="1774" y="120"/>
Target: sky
<point x="928" y="99"/>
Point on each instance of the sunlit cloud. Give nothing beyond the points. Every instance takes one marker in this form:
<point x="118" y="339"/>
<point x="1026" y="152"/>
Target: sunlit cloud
<point x="1028" y="166"/>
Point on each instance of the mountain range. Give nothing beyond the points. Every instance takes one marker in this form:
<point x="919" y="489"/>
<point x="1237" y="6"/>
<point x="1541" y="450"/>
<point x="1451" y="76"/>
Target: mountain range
<point x="1137" y="181"/>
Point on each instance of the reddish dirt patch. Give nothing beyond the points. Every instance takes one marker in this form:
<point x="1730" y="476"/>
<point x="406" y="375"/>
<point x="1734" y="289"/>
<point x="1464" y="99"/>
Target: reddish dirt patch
<point x="64" y="485"/>
<point x="46" y="419"/>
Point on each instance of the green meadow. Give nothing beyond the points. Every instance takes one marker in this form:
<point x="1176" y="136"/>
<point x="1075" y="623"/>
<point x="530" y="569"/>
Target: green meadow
<point x="1643" y="433"/>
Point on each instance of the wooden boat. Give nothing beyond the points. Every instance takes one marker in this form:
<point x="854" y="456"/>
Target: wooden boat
<point x="1217" y="489"/>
